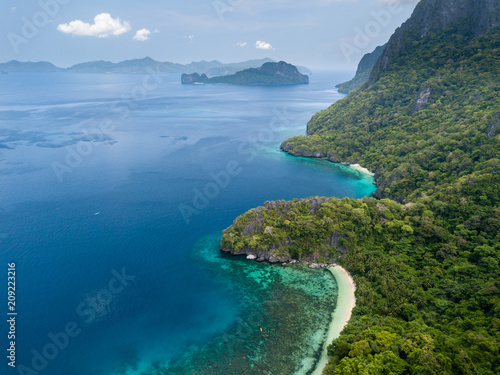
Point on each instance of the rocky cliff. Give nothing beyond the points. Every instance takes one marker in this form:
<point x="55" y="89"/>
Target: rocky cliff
<point x="365" y="67"/>
<point x="468" y="17"/>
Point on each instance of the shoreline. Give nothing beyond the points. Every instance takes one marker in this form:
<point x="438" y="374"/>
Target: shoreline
<point x="346" y="301"/>
<point x="356" y="167"/>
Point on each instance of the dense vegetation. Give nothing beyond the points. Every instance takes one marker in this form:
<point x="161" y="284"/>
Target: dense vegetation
<point x="428" y="294"/>
<point x="425" y="257"/>
<point x="419" y="152"/>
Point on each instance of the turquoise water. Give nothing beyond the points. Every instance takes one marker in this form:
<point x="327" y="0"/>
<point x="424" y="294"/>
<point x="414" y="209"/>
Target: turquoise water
<point x="114" y="194"/>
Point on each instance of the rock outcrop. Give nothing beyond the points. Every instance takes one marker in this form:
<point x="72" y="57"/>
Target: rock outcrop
<point x="423" y="97"/>
<point x="281" y="253"/>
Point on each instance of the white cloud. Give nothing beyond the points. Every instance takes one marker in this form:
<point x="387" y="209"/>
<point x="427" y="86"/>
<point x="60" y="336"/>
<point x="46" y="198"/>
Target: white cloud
<point x="104" y="26"/>
<point x="142" y="35"/>
<point x="263" y="45"/>
<point x="241" y="44"/>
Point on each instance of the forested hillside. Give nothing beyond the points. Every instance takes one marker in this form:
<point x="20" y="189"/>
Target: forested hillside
<point x="425" y="254"/>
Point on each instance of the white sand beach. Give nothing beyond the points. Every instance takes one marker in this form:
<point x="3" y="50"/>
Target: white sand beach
<point x="345" y="303"/>
<point x="361" y="169"/>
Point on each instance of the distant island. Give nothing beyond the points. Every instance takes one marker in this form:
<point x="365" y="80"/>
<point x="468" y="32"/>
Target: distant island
<point x="270" y="73"/>
<point x="29" y="67"/>
<point x="139" y="66"/>
<point x="147" y="64"/>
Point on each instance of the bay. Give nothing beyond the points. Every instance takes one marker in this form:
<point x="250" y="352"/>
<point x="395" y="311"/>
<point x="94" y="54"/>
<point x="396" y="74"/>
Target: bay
<point x="114" y="193"/>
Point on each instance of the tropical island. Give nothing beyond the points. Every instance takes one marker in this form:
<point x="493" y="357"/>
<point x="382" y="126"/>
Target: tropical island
<point x="424" y="250"/>
<point x="269" y="74"/>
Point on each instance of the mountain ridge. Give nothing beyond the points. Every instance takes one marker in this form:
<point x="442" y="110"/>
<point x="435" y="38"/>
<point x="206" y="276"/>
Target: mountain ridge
<point x="39" y="66"/>
<point x="139" y="66"/>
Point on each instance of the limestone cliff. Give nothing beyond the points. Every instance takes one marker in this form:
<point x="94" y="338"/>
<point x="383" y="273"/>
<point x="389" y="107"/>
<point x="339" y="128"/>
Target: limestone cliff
<point x="473" y="17"/>
<point x="365" y="67"/>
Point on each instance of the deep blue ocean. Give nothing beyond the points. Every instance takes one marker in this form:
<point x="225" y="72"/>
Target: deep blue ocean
<point x="114" y="191"/>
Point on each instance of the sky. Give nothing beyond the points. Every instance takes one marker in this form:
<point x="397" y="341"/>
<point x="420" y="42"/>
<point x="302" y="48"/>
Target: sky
<point x="319" y="34"/>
